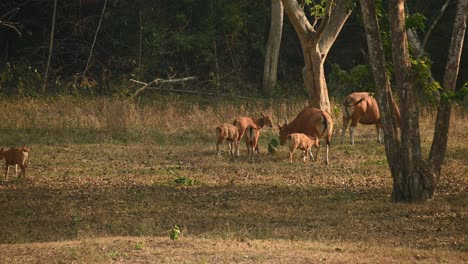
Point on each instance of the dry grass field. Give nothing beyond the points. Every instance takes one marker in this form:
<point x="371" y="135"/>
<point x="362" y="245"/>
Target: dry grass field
<point x="108" y="179"/>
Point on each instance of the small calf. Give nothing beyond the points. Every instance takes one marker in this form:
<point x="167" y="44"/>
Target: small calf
<point x="15" y="156"/>
<point x="229" y="133"/>
<point x="252" y="135"/>
<point x="303" y="142"/>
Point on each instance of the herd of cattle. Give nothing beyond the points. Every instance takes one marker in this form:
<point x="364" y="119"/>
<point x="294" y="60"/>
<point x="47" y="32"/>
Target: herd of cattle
<point x="305" y="131"/>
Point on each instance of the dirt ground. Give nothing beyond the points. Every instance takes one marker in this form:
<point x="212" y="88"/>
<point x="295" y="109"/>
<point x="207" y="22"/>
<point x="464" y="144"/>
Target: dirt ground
<point x="91" y="202"/>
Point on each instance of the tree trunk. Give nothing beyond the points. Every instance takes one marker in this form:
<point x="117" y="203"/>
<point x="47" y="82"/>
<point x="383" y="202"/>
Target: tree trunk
<point x="383" y="91"/>
<point x="414" y="178"/>
<point x="51" y="45"/>
<point x="411" y="177"/>
<point x="316" y="44"/>
<point x="439" y="143"/>
<point x="270" y="70"/>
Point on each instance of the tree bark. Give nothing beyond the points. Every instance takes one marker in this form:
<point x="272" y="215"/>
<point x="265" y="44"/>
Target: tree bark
<point x="439" y="143"/>
<point x="51" y="45"/>
<point x="270" y="70"/>
<point x="412" y="171"/>
<point x="414" y="179"/>
<point x="383" y="91"/>
<point x="316" y="44"/>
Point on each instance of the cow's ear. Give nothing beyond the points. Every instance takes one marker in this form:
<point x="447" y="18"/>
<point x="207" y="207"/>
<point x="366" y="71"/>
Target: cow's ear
<point x="279" y="126"/>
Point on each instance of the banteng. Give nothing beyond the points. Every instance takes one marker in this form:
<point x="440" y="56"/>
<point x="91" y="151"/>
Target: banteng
<point x="229" y="133"/>
<point x="362" y="108"/>
<point x="303" y="142"/>
<point x="15" y="156"/>
<point x="251" y="136"/>
<point x="243" y="122"/>
<point x="312" y="122"/>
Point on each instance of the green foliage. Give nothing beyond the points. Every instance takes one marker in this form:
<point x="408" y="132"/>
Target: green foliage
<point x="175" y="233"/>
<point x="273" y="145"/>
<point x="316" y="8"/>
<point x="416" y="21"/>
<point x="457" y="95"/>
<point x="138" y="246"/>
<point x="20" y="79"/>
<point x="422" y="77"/>
<point x="358" y="78"/>
<point x="182" y="180"/>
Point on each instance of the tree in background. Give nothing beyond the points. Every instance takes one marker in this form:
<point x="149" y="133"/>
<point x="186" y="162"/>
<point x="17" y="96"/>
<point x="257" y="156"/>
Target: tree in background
<point x="270" y="69"/>
<point x="414" y="179"/>
<point x="316" y="42"/>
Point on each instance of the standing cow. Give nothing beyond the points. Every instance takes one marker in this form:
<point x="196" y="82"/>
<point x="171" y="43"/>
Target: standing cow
<point x="243" y="122"/>
<point x="362" y="108"/>
<point x="312" y="122"/>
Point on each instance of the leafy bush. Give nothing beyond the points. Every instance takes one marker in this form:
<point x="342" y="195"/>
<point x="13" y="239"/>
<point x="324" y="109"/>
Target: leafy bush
<point x="358" y="78"/>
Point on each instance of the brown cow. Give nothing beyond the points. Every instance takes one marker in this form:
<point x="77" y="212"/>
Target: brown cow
<point x="251" y="137"/>
<point x="229" y="133"/>
<point x="15" y="156"/>
<point x="303" y="142"/>
<point x="312" y="122"/>
<point x="362" y="108"/>
<point x="243" y="122"/>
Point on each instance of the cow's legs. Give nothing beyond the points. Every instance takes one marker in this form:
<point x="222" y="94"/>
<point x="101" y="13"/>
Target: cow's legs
<point x="218" y="142"/>
<point x="379" y="133"/>
<point x="343" y="129"/>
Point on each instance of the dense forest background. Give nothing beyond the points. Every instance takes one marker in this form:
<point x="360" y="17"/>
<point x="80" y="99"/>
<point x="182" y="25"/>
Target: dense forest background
<point x="220" y="42"/>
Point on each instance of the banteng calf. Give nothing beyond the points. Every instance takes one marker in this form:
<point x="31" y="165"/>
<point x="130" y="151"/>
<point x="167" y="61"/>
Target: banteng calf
<point x="229" y="133"/>
<point x="362" y="108"/>
<point x="312" y="122"/>
<point x="251" y="137"/>
<point x="15" y="156"/>
<point x="243" y="122"/>
<point x="303" y="142"/>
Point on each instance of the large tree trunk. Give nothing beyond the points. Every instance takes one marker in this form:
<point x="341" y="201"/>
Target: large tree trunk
<point x="383" y="91"/>
<point x="410" y="181"/>
<point x="439" y="143"/>
<point x="316" y="44"/>
<point x="414" y="178"/>
<point x="270" y="69"/>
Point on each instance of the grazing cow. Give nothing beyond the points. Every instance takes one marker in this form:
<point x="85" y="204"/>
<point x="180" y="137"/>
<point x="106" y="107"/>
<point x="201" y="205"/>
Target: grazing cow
<point x="303" y="142"/>
<point x="15" y="156"/>
<point x="229" y="133"/>
<point x="362" y="108"/>
<point x="312" y="122"/>
<point x="251" y="137"/>
<point x="243" y="122"/>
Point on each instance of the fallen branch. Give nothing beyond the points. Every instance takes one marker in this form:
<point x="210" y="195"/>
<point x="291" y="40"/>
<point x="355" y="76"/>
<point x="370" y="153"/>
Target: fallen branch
<point x="158" y="81"/>
<point x="10" y="25"/>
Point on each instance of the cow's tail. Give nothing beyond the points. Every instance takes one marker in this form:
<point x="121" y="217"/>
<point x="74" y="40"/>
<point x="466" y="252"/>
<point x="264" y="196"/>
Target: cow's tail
<point x="251" y="132"/>
<point x="326" y="128"/>
<point x="347" y="104"/>
<point x="25" y="149"/>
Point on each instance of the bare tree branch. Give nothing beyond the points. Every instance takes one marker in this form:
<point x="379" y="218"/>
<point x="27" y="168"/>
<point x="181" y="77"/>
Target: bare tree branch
<point x="51" y="45"/>
<point x="147" y="86"/>
<point x="94" y="40"/>
<point x="10" y="25"/>
<point x="159" y="81"/>
<point x="434" y="23"/>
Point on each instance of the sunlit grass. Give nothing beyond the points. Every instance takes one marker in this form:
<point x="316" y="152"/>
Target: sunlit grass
<point x="112" y="168"/>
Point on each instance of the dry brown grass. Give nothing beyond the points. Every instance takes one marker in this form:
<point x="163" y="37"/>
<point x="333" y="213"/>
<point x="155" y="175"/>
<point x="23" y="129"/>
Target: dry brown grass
<point x="102" y="180"/>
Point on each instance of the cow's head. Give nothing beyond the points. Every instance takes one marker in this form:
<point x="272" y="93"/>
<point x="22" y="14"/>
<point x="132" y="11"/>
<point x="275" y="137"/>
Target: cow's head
<point x="267" y="121"/>
<point x="283" y="134"/>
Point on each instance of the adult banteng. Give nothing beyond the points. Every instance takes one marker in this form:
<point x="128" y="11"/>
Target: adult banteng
<point x="312" y="122"/>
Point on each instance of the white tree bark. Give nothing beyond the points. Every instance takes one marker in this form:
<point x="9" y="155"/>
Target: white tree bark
<point x="316" y="44"/>
<point x="270" y="70"/>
